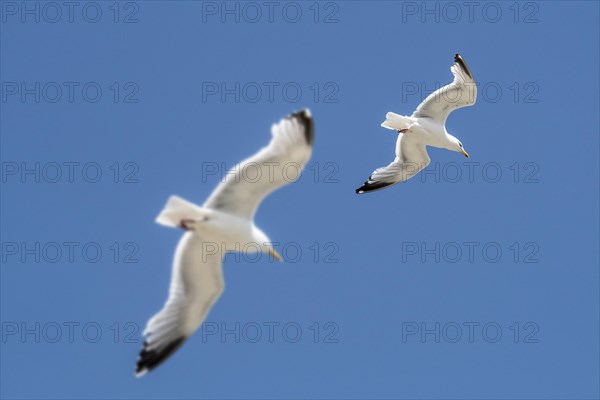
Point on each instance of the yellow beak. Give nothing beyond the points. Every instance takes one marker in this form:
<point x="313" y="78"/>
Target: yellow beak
<point x="464" y="152"/>
<point x="275" y="254"/>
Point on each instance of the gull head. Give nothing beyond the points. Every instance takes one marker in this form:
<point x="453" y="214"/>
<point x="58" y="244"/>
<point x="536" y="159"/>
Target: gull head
<point x="265" y="244"/>
<point x="456" y="145"/>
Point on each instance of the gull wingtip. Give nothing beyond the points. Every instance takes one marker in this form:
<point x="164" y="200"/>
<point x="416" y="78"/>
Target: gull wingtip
<point x="151" y="358"/>
<point x="461" y="61"/>
<point x="373" y="186"/>
<point x="304" y="117"/>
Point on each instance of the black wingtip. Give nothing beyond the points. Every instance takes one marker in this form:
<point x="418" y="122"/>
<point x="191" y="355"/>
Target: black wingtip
<point x="150" y="359"/>
<point x="458" y="59"/>
<point x="373" y="186"/>
<point x="305" y="119"/>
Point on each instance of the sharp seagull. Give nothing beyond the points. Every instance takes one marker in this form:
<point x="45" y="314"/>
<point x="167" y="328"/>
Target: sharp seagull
<point x="226" y="217"/>
<point x="425" y="127"/>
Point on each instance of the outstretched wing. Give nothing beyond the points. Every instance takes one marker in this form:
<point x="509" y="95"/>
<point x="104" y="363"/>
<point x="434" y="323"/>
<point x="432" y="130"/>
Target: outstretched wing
<point x="462" y="92"/>
<point x="411" y="157"/>
<point x="275" y="165"/>
<point x="196" y="283"/>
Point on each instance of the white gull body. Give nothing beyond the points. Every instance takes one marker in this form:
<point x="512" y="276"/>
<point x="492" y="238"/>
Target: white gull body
<point x="425" y="127"/>
<point x="224" y="223"/>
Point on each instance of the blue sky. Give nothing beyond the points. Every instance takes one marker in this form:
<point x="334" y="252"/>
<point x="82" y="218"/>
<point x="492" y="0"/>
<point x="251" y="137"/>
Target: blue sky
<point x="478" y="279"/>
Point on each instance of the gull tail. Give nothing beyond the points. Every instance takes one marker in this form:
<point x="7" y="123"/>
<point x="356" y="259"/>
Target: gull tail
<point x="177" y="210"/>
<point x="396" y="121"/>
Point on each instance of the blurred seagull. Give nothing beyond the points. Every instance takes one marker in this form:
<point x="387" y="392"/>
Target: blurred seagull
<point x="425" y="127"/>
<point x="226" y="217"/>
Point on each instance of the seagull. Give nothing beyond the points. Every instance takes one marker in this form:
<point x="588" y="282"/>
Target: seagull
<point x="425" y="127"/>
<point x="226" y="219"/>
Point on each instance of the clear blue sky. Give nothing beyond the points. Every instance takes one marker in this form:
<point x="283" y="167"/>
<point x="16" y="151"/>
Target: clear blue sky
<point x="393" y="270"/>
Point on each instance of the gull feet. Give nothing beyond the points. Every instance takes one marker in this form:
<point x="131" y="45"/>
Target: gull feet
<point x="405" y="130"/>
<point x="187" y="224"/>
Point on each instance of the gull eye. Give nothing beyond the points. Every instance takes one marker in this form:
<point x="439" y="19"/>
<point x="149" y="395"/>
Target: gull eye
<point x="460" y="144"/>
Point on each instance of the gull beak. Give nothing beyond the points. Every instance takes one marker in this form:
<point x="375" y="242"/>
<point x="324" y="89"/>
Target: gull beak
<point x="464" y="152"/>
<point x="275" y="254"/>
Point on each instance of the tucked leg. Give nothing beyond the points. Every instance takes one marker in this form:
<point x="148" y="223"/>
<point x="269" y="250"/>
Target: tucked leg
<point x="187" y="224"/>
